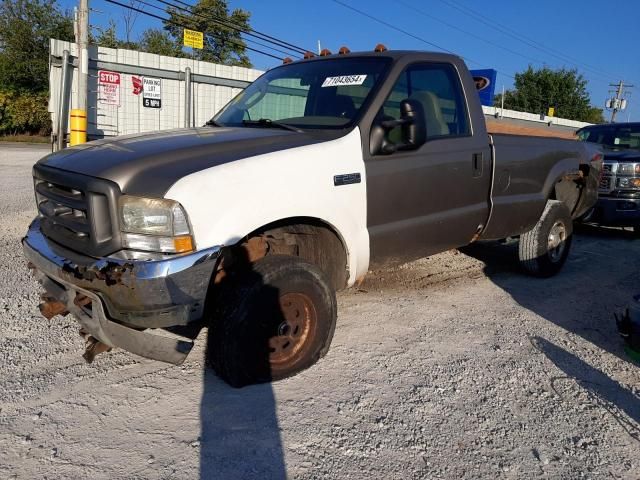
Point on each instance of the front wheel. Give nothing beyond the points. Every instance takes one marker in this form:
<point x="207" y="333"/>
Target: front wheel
<point x="544" y="249"/>
<point x="273" y="320"/>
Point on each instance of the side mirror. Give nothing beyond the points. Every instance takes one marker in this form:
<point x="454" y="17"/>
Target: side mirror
<point x="414" y="128"/>
<point x="412" y="123"/>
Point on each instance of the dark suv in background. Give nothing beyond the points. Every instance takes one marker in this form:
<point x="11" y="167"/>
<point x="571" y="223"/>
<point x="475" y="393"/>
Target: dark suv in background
<point x="619" y="190"/>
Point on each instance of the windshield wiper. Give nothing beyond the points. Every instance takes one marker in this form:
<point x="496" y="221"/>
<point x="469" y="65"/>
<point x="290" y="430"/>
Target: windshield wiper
<point x="267" y="122"/>
<point x="213" y="123"/>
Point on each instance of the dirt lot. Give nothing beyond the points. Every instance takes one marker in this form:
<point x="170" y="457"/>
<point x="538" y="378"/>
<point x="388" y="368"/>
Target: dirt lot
<point x="456" y="366"/>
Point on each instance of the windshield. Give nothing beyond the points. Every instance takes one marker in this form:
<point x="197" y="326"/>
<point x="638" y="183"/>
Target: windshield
<point x="621" y="136"/>
<point x="319" y="94"/>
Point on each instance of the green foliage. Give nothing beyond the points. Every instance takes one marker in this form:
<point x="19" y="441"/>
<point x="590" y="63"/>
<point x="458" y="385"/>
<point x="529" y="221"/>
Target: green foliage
<point x="24" y="112"/>
<point x="156" y="41"/>
<point x="594" y="115"/>
<point x="565" y="90"/>
<point x="221" y="44"/>
<point x="25" y="29"/>
<point x="108" y="37"/>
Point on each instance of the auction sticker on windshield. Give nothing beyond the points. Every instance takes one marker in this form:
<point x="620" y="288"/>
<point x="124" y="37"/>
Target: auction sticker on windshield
<point x="344" y="80"/>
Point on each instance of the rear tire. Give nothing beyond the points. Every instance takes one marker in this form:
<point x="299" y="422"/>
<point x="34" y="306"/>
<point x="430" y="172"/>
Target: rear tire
<point x="544" y="249"/>
<point x="273" y="320"/>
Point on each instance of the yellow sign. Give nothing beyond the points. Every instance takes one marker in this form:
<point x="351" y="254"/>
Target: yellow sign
<point x="551" y="112"/>
<point x="193" y="39"/>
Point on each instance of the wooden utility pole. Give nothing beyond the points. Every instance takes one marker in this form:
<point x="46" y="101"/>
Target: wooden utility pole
<point x="82" y="42"/>
<point x="617" y="103"/>
<point x="79" y="114"/>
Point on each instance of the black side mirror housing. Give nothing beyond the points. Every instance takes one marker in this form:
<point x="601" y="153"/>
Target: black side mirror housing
<point x="412" y="123"/>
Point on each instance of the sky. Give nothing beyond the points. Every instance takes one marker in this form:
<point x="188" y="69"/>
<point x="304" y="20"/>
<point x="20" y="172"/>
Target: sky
<point x="599" y="39"/>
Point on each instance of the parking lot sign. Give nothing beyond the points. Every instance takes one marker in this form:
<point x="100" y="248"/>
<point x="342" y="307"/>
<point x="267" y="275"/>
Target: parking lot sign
<point x="152" y="92"/>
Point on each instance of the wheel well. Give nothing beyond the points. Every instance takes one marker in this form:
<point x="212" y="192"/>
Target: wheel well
<point x="569" y="188"/>
<point x="307" y="238"/>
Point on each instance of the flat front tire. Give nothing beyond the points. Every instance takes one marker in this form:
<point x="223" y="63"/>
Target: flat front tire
<point x="544" y="249"/>
<point x="272" y="321"/>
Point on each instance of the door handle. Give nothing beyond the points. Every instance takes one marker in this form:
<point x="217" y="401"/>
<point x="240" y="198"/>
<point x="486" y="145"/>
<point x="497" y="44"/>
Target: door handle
<point x="477" y="165"/>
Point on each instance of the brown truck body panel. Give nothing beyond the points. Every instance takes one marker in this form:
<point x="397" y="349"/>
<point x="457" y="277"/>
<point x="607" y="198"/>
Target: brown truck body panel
<point x="455" y="190"/>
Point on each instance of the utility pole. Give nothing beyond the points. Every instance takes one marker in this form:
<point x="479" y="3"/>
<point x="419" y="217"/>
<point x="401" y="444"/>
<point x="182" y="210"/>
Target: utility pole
<point x="82" y="43"/>
<point x="617" y="103"/>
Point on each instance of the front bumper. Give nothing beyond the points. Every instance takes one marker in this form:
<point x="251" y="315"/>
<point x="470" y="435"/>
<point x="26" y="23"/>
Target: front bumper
<point x="616" y="211"/>
<point x="131" y="300"/>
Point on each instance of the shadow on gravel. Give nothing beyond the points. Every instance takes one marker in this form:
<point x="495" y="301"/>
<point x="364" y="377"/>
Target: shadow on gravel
<point x="582" y="298"/>
<point x="240" y="435"/>
<point x="605" y="392"/>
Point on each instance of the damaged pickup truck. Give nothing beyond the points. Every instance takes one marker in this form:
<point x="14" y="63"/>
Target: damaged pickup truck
<point x="319" y="171"/>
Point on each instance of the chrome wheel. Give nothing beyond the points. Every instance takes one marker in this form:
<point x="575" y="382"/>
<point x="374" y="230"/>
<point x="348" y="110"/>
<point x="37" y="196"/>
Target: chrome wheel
<point x="556" y="241"/>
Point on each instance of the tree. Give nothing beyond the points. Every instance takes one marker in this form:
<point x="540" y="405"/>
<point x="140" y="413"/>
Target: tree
<point x="25" y="29"/>
<point x="156" y="41"/>
<point x="106" y="36"/>
<point x="565" y="90"/>
<point x="221" y="43"/>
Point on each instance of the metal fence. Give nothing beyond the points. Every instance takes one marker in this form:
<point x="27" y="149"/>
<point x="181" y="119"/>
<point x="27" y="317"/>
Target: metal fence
<point x="190" y="91"/>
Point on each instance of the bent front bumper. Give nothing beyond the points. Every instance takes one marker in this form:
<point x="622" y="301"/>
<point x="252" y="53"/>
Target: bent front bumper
<point x="131" y="300"/>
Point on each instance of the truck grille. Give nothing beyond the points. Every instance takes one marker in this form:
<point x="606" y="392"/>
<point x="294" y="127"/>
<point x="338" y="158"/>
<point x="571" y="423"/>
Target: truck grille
<point x="605" y="183"/>
<point x="76" y="210"/>
<point x="65" y="207"/>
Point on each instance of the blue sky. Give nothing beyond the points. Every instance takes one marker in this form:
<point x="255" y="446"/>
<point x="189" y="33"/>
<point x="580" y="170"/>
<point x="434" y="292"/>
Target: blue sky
<point x="598" y="38"/>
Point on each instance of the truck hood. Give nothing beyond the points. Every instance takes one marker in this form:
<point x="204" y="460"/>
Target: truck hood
<point x="625" y="155"/>
<point x="148" y="164"/>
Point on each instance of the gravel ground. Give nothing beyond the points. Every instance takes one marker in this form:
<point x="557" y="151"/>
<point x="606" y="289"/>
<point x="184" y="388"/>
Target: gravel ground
<point x="456" y="366"/>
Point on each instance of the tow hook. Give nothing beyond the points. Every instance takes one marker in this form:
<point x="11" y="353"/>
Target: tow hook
<point x="92" y="346"/>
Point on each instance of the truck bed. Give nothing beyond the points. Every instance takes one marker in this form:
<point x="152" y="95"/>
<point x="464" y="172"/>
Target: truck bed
<point x="542" y="130"/>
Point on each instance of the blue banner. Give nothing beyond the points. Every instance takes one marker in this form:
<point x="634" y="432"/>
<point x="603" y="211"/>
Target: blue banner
<point x="486" y="85"/>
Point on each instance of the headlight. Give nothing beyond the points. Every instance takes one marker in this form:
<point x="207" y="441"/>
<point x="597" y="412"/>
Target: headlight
<point x="629" y="182"/>
<point x="155" y="225"/>
<point x="626" y="169"/>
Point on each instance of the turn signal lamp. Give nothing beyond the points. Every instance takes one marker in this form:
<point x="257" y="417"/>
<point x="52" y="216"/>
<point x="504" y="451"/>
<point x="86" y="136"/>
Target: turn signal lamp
<point x="343" y="50"/>
<point x="380" y="48"/>
<point x="325" y="52"/>
<point x="308" y="55"/>
<point x="286" y="60"/>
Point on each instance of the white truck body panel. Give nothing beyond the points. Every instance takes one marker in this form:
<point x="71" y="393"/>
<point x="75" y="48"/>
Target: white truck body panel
<point x="227" y="202"/>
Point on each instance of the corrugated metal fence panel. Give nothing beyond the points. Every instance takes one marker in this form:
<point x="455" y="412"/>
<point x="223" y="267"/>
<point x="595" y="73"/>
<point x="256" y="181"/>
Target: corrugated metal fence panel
<point x="130" y="116"/>
<point x="532" y="117"/>
<point x="207" y="98"/>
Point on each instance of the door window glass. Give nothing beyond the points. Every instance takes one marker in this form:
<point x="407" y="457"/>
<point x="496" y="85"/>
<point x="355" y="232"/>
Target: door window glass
<point x="437" y="88"/>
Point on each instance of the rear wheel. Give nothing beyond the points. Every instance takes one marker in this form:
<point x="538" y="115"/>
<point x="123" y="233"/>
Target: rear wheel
<point x="544" y="249"/>
<point x="273" y="320"/>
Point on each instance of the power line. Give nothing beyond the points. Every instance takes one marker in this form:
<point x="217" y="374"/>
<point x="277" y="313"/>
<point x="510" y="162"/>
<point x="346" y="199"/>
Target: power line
<point x="393" y="27"/>
<point x="409" y="34"/>
<point x="521" y="38"/>
<point x="455" y="27"/>
<point x="158" y="7"/>
<point x="229" y="24"/>
<point x="541" y="100"/>
<point x="168" y="20"/>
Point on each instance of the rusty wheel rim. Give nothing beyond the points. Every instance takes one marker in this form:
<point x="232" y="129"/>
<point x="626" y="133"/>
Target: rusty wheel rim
<point x="295" y="332"/>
